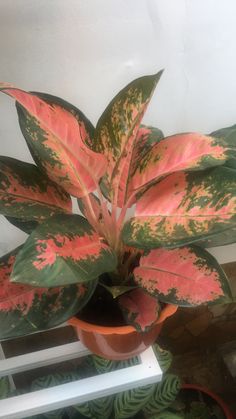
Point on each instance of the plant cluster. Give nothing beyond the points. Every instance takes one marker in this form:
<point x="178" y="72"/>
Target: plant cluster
<point x="180" y="191"/>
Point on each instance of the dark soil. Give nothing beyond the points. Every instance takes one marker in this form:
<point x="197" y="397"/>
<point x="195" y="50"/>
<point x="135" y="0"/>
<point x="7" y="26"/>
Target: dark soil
<point x="102" y="309"/>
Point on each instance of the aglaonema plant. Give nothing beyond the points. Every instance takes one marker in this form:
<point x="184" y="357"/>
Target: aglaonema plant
<point x="180" y="191"/>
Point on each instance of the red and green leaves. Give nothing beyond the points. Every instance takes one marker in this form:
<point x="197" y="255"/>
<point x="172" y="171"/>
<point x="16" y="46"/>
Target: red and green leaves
<point x="27" y="193"/>
<point x="24" y="309"/>
<point x="190" y="151"/>
<point x="63" y="250"/>
<point x="183" y="208"/>
<point x="187" y="276"/>
<point x="116" y="131"/>
<point x="57" y="136"/>
<point x="139" y="309"/>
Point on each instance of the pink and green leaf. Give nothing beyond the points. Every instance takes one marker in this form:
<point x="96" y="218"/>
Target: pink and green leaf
<point x="63" y="250"/>
<point x="96" y="206"/>
<point x="140" y="309"/>
<point x="147" y="137"/>
<point x="25" y="192"/>
<point x="187" y="276"/>
<point x="184" y="208"/>
<point x="116" y="132"/>
<point x="190" y="151"/>
<point x="25" y="309"/>
<point x="58" y="141"/>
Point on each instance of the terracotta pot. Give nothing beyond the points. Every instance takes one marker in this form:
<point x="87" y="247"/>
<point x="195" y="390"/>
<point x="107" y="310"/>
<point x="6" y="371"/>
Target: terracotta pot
<point x="118" y="343"/>
<point x="214" y="396"/>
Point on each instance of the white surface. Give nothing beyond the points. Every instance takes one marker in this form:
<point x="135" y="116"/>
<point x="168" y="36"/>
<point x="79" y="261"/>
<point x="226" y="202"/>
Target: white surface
<point x="86" y="50"/>
<point x="147" y="372"/>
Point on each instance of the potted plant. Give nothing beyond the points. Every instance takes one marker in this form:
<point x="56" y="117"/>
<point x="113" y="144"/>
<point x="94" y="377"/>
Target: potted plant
<point x="184" y="194"/>
<point x="196" y="402"/>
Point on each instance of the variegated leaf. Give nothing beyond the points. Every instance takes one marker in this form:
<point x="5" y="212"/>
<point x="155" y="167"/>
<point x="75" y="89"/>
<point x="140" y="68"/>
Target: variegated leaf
<point x="190" y="151"/>
<point x="116" y="131"/>
<point x="27" y="193"/>
<point x="58" y="141"/>
<point x="96" y="409"/>
<point x="187" y="276"/>
<point x="147" y="137"/>
<point x="225" y="237"/>
<point x="130" y="402"/>
<point x="63" y="250"/>
<point x="140" y="309"/>
<point x="24" y="309"/>
<point x="164" y="395"/>
<point x="26" y="226"/>
<point x="96" y="206"/>
<point x="183" y="208"/>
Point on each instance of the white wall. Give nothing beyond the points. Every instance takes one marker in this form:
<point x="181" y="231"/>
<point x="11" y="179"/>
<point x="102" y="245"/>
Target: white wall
<point x="86" y="50"/>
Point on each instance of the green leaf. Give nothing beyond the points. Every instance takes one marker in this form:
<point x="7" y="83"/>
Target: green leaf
<point x="117" y="290"/>
<point x="103" y="365"/>
<point x="130" y="402"/>
<point x="28" y="194"/>
<point x="163" y="356"/>
<point x="96" y="409"/>
<point x="25" y="309"/>
<point x="163" y="396"/>
<point x="63" y="250"/>
<point x="186" y="276"/>
<point x="167" y="415"/>
<point x="4" y="387"/>
<point x="184" y="208"/>
<point x="116" y="132"/>
<point x="225" y="237"/>
<point x="26" y="226"/>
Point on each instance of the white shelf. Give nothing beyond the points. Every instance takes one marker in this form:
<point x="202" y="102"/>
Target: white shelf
<point x="41" y="401"/>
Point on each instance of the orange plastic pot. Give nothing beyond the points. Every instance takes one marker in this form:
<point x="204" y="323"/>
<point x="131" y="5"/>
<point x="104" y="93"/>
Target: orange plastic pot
<point x="118" y="343"/>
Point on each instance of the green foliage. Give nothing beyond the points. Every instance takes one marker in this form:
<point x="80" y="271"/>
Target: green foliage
<point x="163" y="395"/>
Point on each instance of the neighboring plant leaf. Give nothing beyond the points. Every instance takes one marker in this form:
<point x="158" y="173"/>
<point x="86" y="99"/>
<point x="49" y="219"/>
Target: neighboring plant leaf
<point x="24" y="309"/>
<point x="103" y="365"/>
<point x="183" y="208"/>
<point x="130" y="402"/>
<point x="96" y="409"/>
<point x="187" y="276"/>
<point x="167" y="415"/>
<point x="52" y="380"/>
<point x="4" y="387"/>
<point x="188" y="151"/>
<point x="116" y="131"/>
<point x="27" y="193"/>
<point x="163" y="356"/>
<point x="57" y="139"/>
<point x="61" y="251"/>
<point x="164" y="394"/>
<point x="139" y="309"/>
<point x="26" y="226"/>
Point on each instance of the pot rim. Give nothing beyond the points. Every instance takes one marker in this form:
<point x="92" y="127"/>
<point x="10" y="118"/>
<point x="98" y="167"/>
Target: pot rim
<point x="214" y="396"/>
<point x="167" y="311"/>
